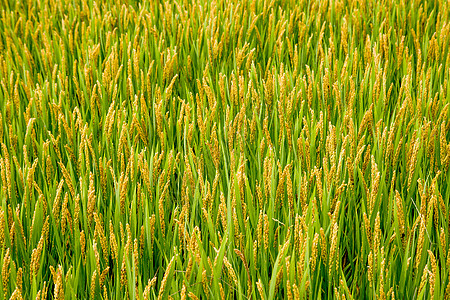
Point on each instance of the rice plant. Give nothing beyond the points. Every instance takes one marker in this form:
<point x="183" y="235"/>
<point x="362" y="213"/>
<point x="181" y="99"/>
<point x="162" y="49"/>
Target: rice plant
<point x="224" y="149"/>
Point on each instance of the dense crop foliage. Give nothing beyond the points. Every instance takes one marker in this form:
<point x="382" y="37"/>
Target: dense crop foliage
<point x="224" y="149"/>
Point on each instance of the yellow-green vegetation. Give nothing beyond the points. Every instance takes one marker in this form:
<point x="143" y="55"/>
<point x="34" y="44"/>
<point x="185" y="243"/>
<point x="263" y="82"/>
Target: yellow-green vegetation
<point x="224" y="149"/>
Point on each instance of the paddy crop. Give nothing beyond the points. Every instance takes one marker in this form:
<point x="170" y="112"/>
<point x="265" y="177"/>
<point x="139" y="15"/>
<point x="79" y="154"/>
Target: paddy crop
<point x="224" y="149"/>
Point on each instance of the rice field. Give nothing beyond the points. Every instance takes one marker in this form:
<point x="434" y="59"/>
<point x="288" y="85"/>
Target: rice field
<point x="224" y="149"/>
